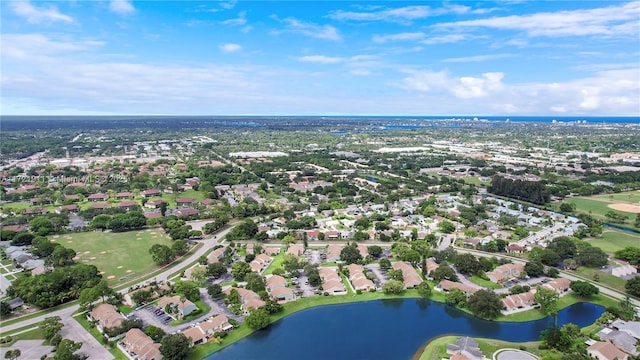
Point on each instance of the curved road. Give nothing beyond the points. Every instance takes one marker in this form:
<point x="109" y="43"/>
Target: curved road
<point x="79" y="334"/>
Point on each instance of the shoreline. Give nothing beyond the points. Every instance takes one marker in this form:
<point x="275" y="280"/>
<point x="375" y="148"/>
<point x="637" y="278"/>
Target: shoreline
<point x="242" y="331"/>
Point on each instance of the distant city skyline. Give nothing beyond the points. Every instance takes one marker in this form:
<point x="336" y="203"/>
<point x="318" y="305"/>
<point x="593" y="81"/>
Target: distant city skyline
<point x="510" y="58"/>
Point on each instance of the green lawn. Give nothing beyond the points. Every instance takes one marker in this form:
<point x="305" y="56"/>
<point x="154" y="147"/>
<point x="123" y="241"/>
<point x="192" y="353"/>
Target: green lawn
<point x="485" y="283"/>
<point x="604" y="278"/>
<point x="36" y="333"/>
<point x="276" y="263"/>
<point x="563" y="302"/>
<point x="597" y="206"/>
<point x="121" y="256"/>
<point x="436" y="349"/>
<point x="614" y="240"/>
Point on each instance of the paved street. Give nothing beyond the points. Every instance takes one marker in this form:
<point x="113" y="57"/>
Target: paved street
<point x="90" y="346"/>
<point x="30" y="349"/>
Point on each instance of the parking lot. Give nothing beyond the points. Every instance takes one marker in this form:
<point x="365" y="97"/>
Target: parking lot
<point x="303" y="286"/>
<point x="153" y="315"/>
<point x="381" y="276"/>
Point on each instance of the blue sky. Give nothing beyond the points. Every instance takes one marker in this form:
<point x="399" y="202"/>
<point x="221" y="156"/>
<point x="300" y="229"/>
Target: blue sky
<point x="320" y="57"/>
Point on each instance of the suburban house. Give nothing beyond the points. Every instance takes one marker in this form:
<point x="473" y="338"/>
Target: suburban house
<point x="249" y="249"/>
<point x="149" y="193"/>
<point x="332" y="283"/>
<point x="447" y="285"/>
<point x="296" y="249"/>
<point x="432" y="265"/>
<point x="203" y="331"/>
<point x="188" y="274"/>
<point x="364" y="251"/>
<point x="185" y="201"/>
<point x="275" y="281"/>
<point x="260" y="263"/>
<point x="465" y="346"/>
<point x="604" y="350"/>
<point x="154" y="204"/>
<point x="98" y="197"/>
<point x="519" y="301"/>
<point x="140" y="346"/>
<point x="559" y="285"/>
<point x="504" y="272"/>
<point x="127" y="299"/>
<point x="630" y="327"/>
<point x="411" y="277"/>
<point x="124" y="195"/>
<point x="282" y="293"/>
<point x="248" y="298"/>
<point x="358" y="279"/>
<point x="216" y="255"/>
<point x="106" y="316"/>
<point x="620" y="339"/>
<point x="181" y="307"/>
<point x="271" y="251"/>
<point x="333" y="252"/>
<point x="130" y="204"/>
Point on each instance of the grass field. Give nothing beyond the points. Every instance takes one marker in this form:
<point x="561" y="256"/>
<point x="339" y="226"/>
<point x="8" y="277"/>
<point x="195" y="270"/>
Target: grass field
<point x="119" y="256"/>
<point x="486" y="283"/>
<point x="614" y="240"/>
<point x="598" y="205"/>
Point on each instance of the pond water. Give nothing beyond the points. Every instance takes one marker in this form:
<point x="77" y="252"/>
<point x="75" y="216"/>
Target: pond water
<point x="384" y="329"/>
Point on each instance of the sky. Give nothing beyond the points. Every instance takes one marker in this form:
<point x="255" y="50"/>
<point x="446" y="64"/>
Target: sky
<point x="501" y="58"/>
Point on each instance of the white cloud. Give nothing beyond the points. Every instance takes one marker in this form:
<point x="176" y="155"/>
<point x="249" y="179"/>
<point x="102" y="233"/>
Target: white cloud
<point x="408" y="36"/>
<point x="404" y="15"/>
<point x="444" y="39"/>
<point x="228" y="5"/>
<point x="321" y="59"/>
<point x="229" y="48"/>
<point x="477" y="58"/>
<point x="612" y="92"/>
<point x="25" y="46"/>
<point x="613" y="20"/>
<point x="293" y="25"/>
<point x="121" y="7"/>
<point x="37" y="15"/>
<point x="465" y="87"/>
<point x="239" y="21"/>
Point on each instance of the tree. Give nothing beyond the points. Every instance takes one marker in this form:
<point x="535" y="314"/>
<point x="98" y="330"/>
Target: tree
<point x="456" y="297"/>
<point x="155" y="333"/>
<point x="239" y="270"/>
<point x="374" y="250"/>
<point x="216" y="270"/>
<point x="534" y="268"/>
<point x="314" y="278"/>
<point x="87" y="297"/>
<point x="161" y="254"/>
<point x="41" y="226"/>
<point x="5" y="309"/>
<point x="467" y="264"/>
<point x="66" y="350"/>
<point x="12" y="354"/>
<point x="567" y="207"/>
<point x="485" y="304"/>
<point x="62" y="256"/>
<point x="592" y="256"/>
<point x="393" y="287"/>
<point x="550" y="257"/>
<point x="179" y="247"/>
<point x="446" y="227"/>
<point x="187" y="288"/>
<point x="633" y="286"/>
<point x="350" y="254"/>
<point x="175" y="347"/>
<point x="215" y="291"/>
<point x="385" y="263"/>
<point x="424" y="290"/>
<point x="630" y="254"/>
<point x="563" y="247"/>
<point x="547" y="299"/>
<point x="257" y="319"/>
<point x="584" y="289"/>
<point x="51" y="326"/>
<point x="271" y="306"/>
<point x="255" y="282"/>
<point x="444" y="272"/>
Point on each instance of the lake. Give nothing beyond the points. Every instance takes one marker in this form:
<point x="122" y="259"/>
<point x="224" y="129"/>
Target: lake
<point x="383" y="329"/>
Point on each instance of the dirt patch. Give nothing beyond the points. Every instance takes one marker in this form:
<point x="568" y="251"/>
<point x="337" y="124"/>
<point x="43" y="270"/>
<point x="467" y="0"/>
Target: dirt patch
<point x="76" y="258"/>
<point x="92" y="258"/>
<point x="111" y="277"/>
<point x="129" y="271"/>
<point x="120" y="267"/>
<point x="625" y="207"/>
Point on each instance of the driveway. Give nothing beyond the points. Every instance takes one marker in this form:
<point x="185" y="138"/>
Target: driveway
<point x="30" y="349"/>
<point x="379" y="273"/>
<point x="90" y="346"/>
